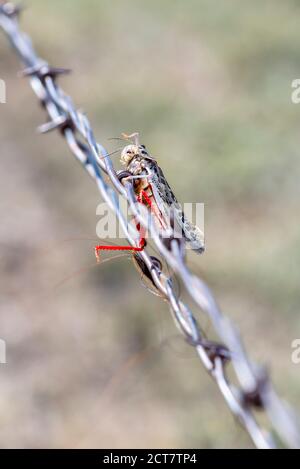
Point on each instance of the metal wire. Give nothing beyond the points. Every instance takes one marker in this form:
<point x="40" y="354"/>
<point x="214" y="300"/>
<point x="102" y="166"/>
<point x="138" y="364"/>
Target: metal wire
<point x="254" y="391"/>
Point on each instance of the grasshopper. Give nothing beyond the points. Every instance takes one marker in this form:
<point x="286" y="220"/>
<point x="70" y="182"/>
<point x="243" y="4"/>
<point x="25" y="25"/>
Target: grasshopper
<point x="153" y="191"/>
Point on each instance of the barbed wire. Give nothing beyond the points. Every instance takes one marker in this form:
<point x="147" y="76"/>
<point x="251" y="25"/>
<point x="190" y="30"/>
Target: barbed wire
<point x="254" y="391"/>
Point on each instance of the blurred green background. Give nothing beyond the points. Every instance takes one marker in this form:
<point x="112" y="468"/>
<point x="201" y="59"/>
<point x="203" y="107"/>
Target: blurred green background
<point x="94" y="360"/>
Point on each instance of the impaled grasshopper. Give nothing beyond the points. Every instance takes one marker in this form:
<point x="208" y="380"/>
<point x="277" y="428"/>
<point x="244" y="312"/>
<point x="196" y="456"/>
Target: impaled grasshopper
<point x="153" y="191"/>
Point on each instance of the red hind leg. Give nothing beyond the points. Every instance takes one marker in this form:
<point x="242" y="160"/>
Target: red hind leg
<point x="143" y="196"/>
<point x="116" y="248"/>
<point x="138" y="248"/>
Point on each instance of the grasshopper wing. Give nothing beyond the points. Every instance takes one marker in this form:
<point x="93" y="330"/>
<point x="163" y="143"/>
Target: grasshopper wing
<point x="167" y="203"/>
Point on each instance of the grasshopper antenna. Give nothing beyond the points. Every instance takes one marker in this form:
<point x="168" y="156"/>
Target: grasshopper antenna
<point x="109" y="154"/>
<point x="121" y="139"/>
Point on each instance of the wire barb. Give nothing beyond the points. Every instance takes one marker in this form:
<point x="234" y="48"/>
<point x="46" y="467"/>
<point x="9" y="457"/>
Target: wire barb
<point x="254" y="389"/>
<point x="44" y="70"/>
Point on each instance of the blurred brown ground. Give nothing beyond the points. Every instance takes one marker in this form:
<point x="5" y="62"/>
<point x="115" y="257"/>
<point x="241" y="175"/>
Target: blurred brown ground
<point x="94" y="360"/>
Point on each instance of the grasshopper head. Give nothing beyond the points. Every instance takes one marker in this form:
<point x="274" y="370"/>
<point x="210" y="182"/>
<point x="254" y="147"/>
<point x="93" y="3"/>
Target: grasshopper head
<point x="132" y="151"/>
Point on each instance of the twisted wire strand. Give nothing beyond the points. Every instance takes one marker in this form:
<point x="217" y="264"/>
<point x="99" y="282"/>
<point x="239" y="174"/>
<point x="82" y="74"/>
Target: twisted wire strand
<point x="254" y="391"/>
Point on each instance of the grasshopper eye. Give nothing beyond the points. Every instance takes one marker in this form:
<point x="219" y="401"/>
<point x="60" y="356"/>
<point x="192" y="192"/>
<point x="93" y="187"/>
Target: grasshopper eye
<point x="142" y="150"/>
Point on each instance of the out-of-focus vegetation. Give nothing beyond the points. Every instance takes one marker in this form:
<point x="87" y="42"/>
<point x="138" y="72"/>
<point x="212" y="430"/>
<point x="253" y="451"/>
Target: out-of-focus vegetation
<point x="93" y="358"/>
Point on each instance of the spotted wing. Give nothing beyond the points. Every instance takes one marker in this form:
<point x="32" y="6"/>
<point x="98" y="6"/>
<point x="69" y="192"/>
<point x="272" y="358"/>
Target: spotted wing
<point x="167" y="203"/>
